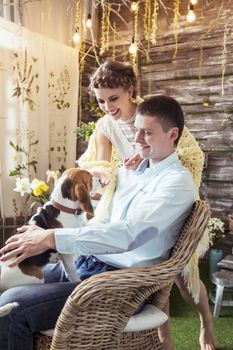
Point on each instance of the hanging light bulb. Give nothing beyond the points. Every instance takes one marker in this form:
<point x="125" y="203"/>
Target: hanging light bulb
<point x="89" y="22"/>
<point x="134" y="6"/>
<point x="133" y="47"/>
<point x="193" y="2"/>
<point x="191" y="16"/>
<point x="76" y="36"/>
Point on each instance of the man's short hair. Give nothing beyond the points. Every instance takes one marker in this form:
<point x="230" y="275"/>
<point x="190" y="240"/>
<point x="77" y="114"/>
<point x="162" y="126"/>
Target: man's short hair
<point x="166" y="109"/>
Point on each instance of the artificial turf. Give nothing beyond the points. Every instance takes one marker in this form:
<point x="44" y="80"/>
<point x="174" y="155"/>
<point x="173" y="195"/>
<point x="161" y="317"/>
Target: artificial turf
<point x="185" y="321"/>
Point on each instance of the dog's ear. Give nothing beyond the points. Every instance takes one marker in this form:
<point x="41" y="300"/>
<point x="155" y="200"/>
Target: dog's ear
<point x="84" y="200"/>
<point x="66" y="188"/>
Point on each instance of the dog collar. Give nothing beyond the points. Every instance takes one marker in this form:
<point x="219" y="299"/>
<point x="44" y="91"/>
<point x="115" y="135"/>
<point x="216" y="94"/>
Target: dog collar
<point x="61" y="207"/>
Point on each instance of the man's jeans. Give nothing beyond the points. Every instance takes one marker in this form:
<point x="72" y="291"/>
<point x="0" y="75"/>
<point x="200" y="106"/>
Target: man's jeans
<point x="39" y="308"/>
<point x="39" y="305"/>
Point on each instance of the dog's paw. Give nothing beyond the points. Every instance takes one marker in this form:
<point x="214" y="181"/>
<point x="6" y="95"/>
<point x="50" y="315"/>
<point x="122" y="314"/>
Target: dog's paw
<point x="6" y="309"/>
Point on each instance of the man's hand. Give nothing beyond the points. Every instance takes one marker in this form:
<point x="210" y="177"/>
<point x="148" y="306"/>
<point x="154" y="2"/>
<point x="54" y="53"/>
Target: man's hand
<point x="31" y="240"/>
<point x="132" y="163"/>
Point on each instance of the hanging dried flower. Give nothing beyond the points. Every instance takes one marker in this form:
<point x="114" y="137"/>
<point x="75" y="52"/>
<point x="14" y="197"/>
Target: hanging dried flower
<point x="154" y="22"/>
<point x="114" y="42"/>
<point x="147" y="27"/>
<point x="105" y="26"/>
<point x="224" y="56"/>
<point x="176" y="23"/>
<point x="213" y="24"/>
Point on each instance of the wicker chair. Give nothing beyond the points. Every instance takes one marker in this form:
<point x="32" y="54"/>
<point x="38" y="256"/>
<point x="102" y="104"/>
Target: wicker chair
<point x="96" y="313"/>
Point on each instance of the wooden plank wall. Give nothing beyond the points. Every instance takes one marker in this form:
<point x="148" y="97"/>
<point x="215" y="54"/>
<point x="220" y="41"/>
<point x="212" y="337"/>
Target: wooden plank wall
<point x="194" y="77"/>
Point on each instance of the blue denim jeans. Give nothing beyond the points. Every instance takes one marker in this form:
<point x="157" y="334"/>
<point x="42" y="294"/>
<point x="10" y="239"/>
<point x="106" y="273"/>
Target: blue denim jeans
<point x="40" y="305"/>
<point x="38" y="309"/>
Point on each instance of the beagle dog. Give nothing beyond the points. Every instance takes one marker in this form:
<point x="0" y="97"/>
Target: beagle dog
<point x="69" y="206"/>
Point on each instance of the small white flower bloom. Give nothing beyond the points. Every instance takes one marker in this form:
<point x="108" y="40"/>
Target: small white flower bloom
<point x="52" y="175"/>
<point x="23" y="186"/>
<point x="35" y="183"/>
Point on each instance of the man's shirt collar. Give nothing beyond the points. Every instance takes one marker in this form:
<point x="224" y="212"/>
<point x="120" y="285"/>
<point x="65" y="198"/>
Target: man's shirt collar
<point x="157" y="168"/>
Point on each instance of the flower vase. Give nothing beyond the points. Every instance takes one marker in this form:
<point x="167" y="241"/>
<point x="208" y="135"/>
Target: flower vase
<point x="215" y="256"/>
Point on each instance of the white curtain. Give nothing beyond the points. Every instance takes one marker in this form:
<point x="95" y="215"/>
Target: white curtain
<point x="38" y="108"/>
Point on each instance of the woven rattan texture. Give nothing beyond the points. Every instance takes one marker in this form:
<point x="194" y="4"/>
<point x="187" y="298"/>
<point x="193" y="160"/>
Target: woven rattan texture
<point x="97" y="311"/>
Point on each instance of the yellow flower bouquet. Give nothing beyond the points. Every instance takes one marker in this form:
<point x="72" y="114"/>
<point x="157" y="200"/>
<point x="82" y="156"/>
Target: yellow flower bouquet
<point x="37" y="191"/>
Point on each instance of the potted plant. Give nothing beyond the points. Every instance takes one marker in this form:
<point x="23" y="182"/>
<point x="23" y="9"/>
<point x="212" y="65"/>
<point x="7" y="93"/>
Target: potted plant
<point x="84" y="129"/>
<point x="216" y="230"/>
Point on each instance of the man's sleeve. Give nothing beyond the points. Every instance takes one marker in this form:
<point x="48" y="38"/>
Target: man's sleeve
<point x="148" y="215"/>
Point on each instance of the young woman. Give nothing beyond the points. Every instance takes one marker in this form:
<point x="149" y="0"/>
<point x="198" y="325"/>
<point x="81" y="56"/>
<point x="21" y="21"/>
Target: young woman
<point x="112" y="143"/>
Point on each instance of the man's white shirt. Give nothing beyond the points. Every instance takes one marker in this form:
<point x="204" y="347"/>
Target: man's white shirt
<point x="149" y="208"/>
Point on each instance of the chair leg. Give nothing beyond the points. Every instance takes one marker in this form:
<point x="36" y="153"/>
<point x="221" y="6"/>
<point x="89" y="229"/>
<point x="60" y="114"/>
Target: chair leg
<point x="218" y="300"/>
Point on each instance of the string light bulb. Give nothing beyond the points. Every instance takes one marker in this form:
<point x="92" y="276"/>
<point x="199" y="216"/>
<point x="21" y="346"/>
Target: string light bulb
<point x="134" y="6"/>
<point x="133" y="47"/>
<point x="193" y="2"/>
<point x="76" y="36"/>
<point x="191" y="16"/>
<point x="89" y="21"/>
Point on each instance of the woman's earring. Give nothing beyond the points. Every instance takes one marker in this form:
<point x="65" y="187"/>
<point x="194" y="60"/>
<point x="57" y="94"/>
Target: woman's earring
<point x="131" y="99"/>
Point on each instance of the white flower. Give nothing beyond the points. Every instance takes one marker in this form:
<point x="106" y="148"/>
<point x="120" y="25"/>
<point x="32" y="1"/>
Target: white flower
<point x="23" y="186"/>
<point x="34" y="184"/>
<point x="53" y="175"/>
<point x="216" y="230"/>
<point x="216" y="224"/>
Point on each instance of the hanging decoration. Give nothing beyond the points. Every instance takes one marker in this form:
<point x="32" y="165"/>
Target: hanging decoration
<point x="213" y="24"/>
<point x="114" y="42"/>
<point x="89" y="21"/>
<point x="105" y="27"/>
<point x="176" y="24"/>
<point x="77" y="33"/>
<point x="147" y="27"/>
<point x="191" y="16"/>
<point x="154" y="22"/>
<point x="133" y="48"/>
<point x="224" y="57"/>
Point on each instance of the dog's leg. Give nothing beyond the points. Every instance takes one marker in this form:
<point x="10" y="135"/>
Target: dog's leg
<point x="68" y="261"/>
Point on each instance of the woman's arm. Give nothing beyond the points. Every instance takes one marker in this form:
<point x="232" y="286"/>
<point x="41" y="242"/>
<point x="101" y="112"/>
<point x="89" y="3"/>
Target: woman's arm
<point x="104" y="147"/>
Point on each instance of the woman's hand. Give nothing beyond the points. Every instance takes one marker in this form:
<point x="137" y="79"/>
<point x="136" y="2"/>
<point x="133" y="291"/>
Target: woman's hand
<point x="31" y="240"/>
<point x="102" y="177"/>
<point x="132" y="163"/>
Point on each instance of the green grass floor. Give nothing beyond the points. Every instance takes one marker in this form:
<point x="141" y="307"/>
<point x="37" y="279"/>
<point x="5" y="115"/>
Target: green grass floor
<point x="185" y="321"/>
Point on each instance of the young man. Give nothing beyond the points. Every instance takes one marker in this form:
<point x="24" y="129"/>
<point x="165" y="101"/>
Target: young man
<point x="149" y="208"/>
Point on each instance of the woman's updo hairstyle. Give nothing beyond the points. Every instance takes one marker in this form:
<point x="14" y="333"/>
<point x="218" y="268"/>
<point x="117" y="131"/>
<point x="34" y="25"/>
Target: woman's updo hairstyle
<point x="113" y="74"/>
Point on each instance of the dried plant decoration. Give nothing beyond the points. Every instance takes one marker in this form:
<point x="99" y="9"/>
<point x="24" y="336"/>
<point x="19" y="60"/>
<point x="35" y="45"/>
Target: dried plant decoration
<point x="224" y="56"/>
<point x="25" y="152"/>
<point x="213" y="24"/>
<point x="81" y="69"/>
<point x="176" y="24"/>
<point x="114" y="42"/>
<point x="58" y="89"/>
<point x="147" y="27"/>
<point x="154" y="22"/>
<point x="105" y="26"/>
<point x="136" y="25"/>
<point x="58" y="147"/>
<point x="15" y="208"/>
<point x="26" y="80"/>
